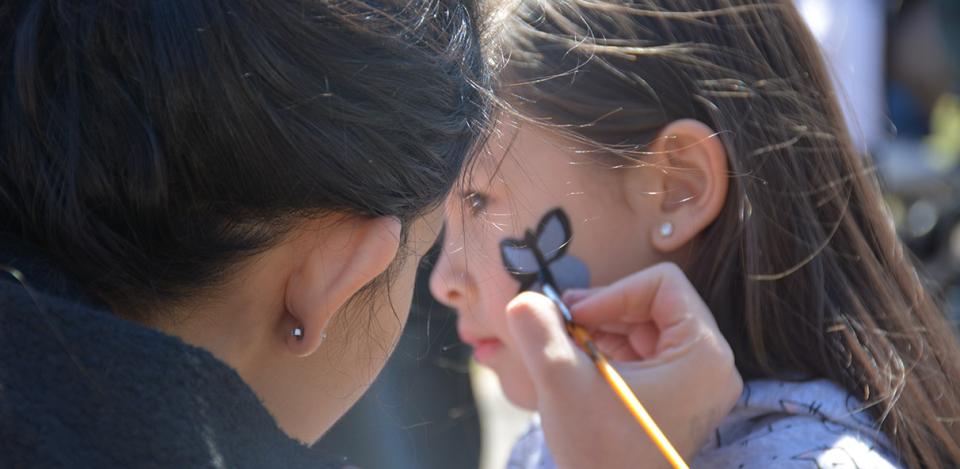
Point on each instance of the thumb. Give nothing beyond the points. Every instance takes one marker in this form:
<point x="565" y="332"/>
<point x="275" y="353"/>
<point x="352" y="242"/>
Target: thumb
<point x="538" y="332"/>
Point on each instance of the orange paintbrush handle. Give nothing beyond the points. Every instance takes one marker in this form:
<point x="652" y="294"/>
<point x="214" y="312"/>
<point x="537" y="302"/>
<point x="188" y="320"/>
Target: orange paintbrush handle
<point x="626" y="395"/>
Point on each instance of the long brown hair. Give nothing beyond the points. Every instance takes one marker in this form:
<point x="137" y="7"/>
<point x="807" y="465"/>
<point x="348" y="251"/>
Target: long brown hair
<point x="802" y="268"/>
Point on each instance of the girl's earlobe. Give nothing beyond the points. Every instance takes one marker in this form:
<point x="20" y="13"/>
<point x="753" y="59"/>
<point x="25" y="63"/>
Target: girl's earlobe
<point x="666" y="229"/>
<point x="666" y="238"/>
<point x="662" y="240"/>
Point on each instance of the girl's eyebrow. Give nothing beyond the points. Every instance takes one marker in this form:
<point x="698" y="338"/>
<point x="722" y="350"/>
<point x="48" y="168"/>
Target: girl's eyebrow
<point x="469" y="191"/>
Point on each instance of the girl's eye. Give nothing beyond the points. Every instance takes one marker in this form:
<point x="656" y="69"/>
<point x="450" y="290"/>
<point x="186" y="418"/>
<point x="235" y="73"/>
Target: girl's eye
<point x="477" y="202"/>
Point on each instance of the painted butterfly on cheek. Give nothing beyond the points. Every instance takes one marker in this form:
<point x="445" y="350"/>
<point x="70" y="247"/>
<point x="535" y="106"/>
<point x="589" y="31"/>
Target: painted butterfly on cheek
<point x="542" y="255"/>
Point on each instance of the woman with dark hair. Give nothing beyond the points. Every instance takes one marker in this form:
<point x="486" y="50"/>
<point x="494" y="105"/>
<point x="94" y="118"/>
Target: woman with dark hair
<point x="243" y="178"/>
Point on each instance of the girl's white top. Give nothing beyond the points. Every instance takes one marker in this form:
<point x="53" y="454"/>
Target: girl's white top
<point x="811" y="424"/>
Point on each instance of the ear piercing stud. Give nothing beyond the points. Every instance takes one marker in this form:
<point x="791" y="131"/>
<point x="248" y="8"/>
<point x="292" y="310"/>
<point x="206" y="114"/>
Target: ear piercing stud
<point x="666" y="229"/>
<point x="297" y="332"/>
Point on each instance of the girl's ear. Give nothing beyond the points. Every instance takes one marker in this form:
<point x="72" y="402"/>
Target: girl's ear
<point x="689" y="183"/>
<point x="341" y="260"/>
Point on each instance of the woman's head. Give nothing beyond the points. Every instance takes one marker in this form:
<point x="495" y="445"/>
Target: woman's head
<point x="183" y="153"/>
<point x="716" y="116"/>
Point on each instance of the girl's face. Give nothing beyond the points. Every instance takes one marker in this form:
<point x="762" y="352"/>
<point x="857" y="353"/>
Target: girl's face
<point x="526" y="182"/>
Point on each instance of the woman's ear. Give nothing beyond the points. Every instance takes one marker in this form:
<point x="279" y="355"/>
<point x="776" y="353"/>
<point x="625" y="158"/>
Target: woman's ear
<point x="340" y="260"/>
<point x="689" y="183"/>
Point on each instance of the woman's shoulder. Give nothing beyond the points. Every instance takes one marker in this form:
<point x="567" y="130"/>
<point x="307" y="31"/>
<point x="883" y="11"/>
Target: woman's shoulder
<point x="812" y="423"/>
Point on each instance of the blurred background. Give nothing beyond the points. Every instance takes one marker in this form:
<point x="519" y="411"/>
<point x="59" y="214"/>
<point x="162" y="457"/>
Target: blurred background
<point x="896" y="65"/>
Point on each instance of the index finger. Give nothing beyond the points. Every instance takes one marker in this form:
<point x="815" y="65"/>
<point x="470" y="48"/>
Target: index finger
<point x="661" y="294"/>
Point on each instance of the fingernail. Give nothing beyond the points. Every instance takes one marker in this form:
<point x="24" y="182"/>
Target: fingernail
<point x="573" y="296"/>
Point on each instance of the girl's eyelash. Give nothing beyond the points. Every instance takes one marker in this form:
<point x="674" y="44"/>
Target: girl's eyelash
<point x="477" y="202"/>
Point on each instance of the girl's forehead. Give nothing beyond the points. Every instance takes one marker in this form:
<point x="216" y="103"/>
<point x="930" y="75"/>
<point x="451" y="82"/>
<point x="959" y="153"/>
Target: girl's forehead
<point x="494" y="157"/>
<point x="527" y="158"/>
<point x="515" y="144"/>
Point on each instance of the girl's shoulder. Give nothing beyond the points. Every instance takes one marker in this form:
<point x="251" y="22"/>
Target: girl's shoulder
<point x="812" y="423"/>
<point x="807" y="424"/>
<point x="530" y="451"/>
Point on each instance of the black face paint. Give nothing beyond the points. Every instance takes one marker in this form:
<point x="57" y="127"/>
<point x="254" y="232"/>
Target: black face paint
<point x="541" y="256"/>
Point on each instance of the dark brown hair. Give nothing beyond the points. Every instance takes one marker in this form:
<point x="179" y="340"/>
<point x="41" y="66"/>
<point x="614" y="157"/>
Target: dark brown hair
<point x="149" y="146"/>
<point x="802" y="269"/>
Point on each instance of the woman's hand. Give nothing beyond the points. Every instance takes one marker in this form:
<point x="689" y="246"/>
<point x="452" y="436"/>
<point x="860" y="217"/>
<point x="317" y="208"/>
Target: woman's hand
<point x="657" y="332"/>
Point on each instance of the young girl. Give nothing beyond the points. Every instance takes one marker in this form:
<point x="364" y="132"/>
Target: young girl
<point x="702" y="133"/>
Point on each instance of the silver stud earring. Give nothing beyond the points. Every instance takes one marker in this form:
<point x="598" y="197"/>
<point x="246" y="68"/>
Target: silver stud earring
<point x="666" y="229"/>
<point x="323" y="336"/>
<point x="297" y="332"/>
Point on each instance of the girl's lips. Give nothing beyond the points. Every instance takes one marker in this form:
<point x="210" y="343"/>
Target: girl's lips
<point x="484" y="349"/>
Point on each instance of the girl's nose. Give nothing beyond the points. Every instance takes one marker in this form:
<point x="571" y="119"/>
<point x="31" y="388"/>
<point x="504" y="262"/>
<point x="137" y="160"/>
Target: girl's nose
<point x="448" y="282"/>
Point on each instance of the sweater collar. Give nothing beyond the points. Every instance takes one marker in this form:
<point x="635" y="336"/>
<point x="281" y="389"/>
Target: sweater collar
<point x="82" y="382"/>
<point x="26" y="264"/>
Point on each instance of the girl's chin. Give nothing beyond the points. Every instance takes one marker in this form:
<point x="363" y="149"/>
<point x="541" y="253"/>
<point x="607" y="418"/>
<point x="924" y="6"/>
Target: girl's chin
<point x="520" y="395"/>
